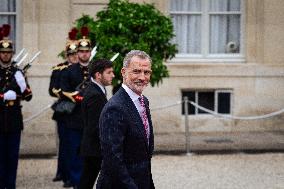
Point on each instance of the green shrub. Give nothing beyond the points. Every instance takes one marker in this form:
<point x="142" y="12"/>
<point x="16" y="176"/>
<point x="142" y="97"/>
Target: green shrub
<point x="124" y="26"/>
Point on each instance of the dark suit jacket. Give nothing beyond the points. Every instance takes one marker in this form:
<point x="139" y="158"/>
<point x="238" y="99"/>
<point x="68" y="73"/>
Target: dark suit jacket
<point x="125" y="150"/>
<point x="92" y="105"/>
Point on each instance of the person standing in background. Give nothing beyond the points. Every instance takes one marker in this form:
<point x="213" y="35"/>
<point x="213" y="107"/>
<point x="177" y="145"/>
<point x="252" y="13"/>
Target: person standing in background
<point x="13" y="89"/>
<point x="62" y="173"/>
<point x="101" y="75"/>
<point x="71" y="83"/>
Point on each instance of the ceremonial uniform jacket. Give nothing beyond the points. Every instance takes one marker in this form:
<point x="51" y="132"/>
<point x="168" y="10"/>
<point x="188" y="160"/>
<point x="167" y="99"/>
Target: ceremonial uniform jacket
<point x="54" y="86"/>
<point x="11" y="119"/>
<point x="70" y="80"/>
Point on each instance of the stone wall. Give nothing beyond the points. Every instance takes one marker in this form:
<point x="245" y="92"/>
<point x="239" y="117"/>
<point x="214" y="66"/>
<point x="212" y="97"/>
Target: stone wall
<point x="256" y="82"/>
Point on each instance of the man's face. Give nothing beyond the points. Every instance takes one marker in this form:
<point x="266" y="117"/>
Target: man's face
<point x="6" y="57"/>
<point x="84" y="56"/>
<point x="137" y="75"/>
<point x="106" y="77"/>
<point x="72" y="58"/>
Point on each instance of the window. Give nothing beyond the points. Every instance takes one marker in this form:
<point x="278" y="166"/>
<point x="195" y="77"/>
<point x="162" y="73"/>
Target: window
<point x="207" y="28"/>
<point x="8" y="15"/>
<point x="218" y="101"/>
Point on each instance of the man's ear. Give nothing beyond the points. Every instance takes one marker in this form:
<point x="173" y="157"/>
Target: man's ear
<point x="97" y="75"/>
<point x="122" y="71"/>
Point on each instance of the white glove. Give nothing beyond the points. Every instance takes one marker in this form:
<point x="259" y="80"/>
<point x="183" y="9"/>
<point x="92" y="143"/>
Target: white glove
<point x="10" y="95"/>
<point x="20" y="81"/>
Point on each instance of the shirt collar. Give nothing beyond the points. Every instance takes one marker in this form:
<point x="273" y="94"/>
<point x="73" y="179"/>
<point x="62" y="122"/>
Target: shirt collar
<point x="101" y="87"/>
<point x="131" y="94"/>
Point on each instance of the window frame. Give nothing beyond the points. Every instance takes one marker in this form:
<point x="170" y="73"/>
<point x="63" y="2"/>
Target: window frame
<point x="205" y="55"/>
<point x="216" y="92"/>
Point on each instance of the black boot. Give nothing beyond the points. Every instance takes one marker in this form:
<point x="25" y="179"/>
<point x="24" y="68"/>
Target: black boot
<point x="67" y="184"/>
<point x="57" y="178"/>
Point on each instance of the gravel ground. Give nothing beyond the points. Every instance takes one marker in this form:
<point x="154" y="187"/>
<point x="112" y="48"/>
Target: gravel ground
<point x="219" y="171"/>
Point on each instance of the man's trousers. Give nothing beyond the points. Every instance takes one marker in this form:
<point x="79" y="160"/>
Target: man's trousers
<point x="9" y="155"/>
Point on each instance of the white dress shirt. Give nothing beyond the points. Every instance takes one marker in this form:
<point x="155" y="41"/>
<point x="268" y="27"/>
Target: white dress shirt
<point x="134" y="97"/>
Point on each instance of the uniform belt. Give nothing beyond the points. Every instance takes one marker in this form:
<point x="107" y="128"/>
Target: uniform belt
<point x="12" y="103"/>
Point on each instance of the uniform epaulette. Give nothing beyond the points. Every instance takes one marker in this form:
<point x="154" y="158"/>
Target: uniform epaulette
<point x="63" y="67"/>
<point x="58" y="66"/>
<point x="55" y="68"/>
<point x="61" y="64"/>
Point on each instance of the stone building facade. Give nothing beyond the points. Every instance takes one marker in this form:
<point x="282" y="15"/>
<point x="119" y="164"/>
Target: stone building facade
<point x="239" y="72"/>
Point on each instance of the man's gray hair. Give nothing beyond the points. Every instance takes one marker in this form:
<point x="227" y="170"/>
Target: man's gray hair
<point x="132" y="53"/>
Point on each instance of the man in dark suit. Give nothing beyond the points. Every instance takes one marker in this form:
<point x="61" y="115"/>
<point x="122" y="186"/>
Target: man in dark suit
<point x="126" y="132"/>
<point x="101" y="73"/>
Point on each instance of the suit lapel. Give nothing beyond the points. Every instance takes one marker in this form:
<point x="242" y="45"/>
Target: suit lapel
<point x="98" y="89"/>
<point x="133" y="112"/>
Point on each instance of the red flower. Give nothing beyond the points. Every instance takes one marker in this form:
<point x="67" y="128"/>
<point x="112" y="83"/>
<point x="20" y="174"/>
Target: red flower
<point x="85" y="31"/>
<point x="6" y="30"/>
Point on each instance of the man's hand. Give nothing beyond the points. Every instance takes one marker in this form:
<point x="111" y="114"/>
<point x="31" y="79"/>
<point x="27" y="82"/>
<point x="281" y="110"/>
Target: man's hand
<point x="10" y="95"/>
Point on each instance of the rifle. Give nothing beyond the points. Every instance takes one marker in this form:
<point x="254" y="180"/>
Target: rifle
<point x="16" y="57"/>
<point x="93" y="53"/>
<point x="22" y="60"/>
<point x="114" y="57"/>
<point x="29" y="64"/>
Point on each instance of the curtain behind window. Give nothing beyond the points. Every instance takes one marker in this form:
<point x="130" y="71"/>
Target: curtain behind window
<point x="224" y="28"/>
<point x="187" y="27"/>
<point x="189" y="17"/>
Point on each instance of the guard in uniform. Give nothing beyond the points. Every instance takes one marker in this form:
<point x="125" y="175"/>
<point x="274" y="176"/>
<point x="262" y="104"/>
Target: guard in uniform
<point x="72" y="81"/>
<point x="13" y="89"/>
<point x="62" y="173"/>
